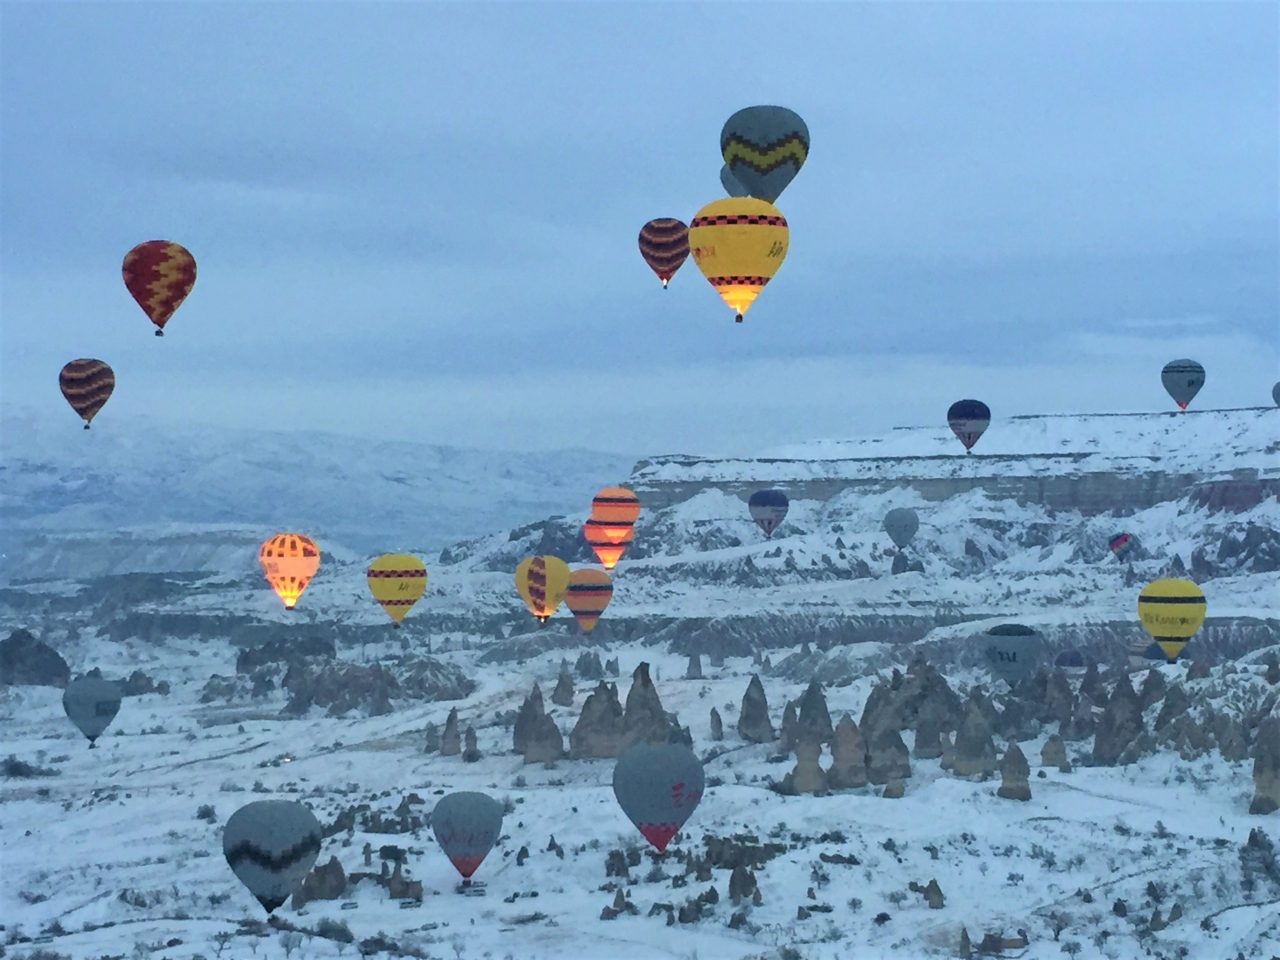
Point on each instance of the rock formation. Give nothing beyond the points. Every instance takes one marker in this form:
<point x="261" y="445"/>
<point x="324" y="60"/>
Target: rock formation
<point x="694" y="670"/>
<point x="975" y="754"/>
<point x="644" y="720"/>
<point x="790" y="727"/>
<point x="928" y="745"/>
<point x="848" y="756"/>
<point x="430" y="738"/>
<point x="26" y="661"/>
<point x="599" y="730"/>
<point x="470" y="749"/>
<point x="1175" y="704"/>
<point x="753" y="718"/>
<point x="1120" y="724"/>
<point x="588" y="666"/>
<point x="717" y="725"/>
<point x="1266" y="767"/>
<point x="611" y="667"/>
<point x="451" y="739"/>
<point x="1083" y="723"/>
<point x="562" y="696"/>
<point x="544" y="743"/>
<point x="1091" y="685"/>
<point x="808" y="775"/>
<point x="1153" y="688"/>
<point x="324" y="882"/>
<point x="1059" y="701"/>
<point x="814" y="722"/>
<point x="1054" y="754"/>
<point x="1014" y="771"/>
<point x="894" y="790"/>
<point x="887" y="757"/>
<point x="1199" y="670"/>
<point x="526" y="716"/>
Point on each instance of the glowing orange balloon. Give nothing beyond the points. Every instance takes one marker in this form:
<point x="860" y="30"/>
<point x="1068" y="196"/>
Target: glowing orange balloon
<point x="289" y="561"/>
<point x="615" y="510"/>
<point x="607" y="549"/>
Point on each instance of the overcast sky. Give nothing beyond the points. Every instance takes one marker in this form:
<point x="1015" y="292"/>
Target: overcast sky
<point x="419" y="220"/>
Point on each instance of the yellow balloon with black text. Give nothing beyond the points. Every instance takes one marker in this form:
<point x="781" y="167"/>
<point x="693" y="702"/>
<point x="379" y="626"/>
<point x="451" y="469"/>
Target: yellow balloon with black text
<point x="739" y="243"/>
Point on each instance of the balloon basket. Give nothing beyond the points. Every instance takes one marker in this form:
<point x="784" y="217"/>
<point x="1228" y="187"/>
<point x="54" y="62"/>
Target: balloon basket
<point x="159" y="333"/>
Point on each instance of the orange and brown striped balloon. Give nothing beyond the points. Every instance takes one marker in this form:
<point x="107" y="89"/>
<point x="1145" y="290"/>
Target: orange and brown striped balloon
<point x="289" y="561"/>
<point x="87" y="384"/>
<point x="615" y="509"/>
<point x="607" y="549"/>
<point x="159" y="274"/>
<point x="664" y="244"/>
<point x="588" y="594"/>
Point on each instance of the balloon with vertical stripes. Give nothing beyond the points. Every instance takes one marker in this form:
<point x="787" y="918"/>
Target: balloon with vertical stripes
<point x="541" y="582"/>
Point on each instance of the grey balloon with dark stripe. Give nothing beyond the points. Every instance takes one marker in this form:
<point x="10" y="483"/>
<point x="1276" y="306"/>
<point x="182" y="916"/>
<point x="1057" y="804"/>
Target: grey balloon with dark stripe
<point x="1011" y="651"/>
<point x="764" y="148"/>
<point x="732" y="185"/>
<point x="1183" y="379"/>
<point x="901" y="523"/>
<point x="270" y="845"/>
<point x="658" y="787"/>
<point x="91" y="704"/>
<point x="1275" y="393"/>
<point x="467" y="825"/>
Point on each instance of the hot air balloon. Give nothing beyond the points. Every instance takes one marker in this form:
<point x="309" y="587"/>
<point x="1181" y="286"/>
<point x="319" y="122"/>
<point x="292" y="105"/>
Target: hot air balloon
<point x="542" y="581"/>
<point x="159" y="274"/>
<point x="1275" y="393"/>
<point x="768" y="509"/>
<point x="467" y="825"/>
<point x="764" y="148"/>
<point x="738" y="243"/>
<point x="91" y="704"/>
<point x="1183" y="379"/>
<point x="1171" y="610"/>
<point x="664" y="244"/>
<point x="87" y="385"/>
<point x="1011" y="651"/>
<point x="270" y="845"/>
<point x="289" y="561"/>
<point x="1122" y="545"/>
<point x="658" y="787"/>
<point x="732" y="185"/>
<point x="397" y="581"/>
<point x="607" y="550"/>
<point x="616" y="510"/>
<point x="968" y="420"/>
<point x="588" y="594"/>
<point x="901" y="523"/>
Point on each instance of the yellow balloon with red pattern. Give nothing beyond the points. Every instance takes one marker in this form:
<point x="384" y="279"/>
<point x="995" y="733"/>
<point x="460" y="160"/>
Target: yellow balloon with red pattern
<point x="739" y="243"/>
<point x="397" y="581"/>
<point x="541" y="582"/>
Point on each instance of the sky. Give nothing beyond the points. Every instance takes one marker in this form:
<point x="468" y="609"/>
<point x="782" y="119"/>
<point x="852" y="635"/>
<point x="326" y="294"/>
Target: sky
<point x="418" y="221"/>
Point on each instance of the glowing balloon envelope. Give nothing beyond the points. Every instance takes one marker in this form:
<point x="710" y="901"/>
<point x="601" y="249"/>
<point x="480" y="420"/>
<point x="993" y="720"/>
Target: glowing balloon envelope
<point x="1171" y="610"/>
<point x="541" y="582"/>
<point x="397" y="581"/>
<point x="768" y="509"/>
<point x="467" y="825"/>
<point x="270" y="845"/>
<point x="1011" y="651"/>
<point x="968" y="420"/>
<point x="658" y="787"/>
<point x="87" y="385"/>
<point x="616" y="510"/>
<point x="901" y="523"/>
<point x="159" y="274"/>
<point x="1122" y="545"/>
<point x="664" y="244"/>
<point x="739" y="243"/>
<point x="607" y="550"/>
<point x="732" y="185"/>
<point x="289" y="561"/>
<point x="1183" y="379"/>
<point x="764" y="148"/>
<point x="589" y="592"/>
<point x="91" y="704"/>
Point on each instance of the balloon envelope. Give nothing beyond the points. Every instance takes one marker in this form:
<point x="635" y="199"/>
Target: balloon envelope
<point x="91" y="704"/>
<point x="732" y="185"/>
<point x="768" y="509"/>
<point x="1275" y="393"/>
<point x="289" y="561"/>
<point x="1183" y="379"/>
<point x="1122" y="545"/>
<point x="541" y="582"/>
<point x="159" y="274"/>
<point x="607" y="550"/>
<point x="397" y="581"/>
<point x="1171" y="610"/>
<point x="615" y="510"/>
<point x="467" y="825"/>
<point x="658" y="786"/>
<point x="589" y="592"/>
<point x="738" y="243"/>
<point x="87" y="385"/>
<point x="270" y="845"/>
<point x="764" y="148"/>
<point x="1011" y="651"/>
<point x="968" y="420"/>
<point x="901" y="523"/>
<point x="664" y="244"/>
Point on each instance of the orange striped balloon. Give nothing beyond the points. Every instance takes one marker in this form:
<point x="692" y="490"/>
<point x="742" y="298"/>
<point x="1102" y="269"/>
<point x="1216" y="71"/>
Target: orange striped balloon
<point x="607" y="550"/>
<point x="289" y="561"/>
<point x="616" y="510"/>
<point x="589" y="593"/>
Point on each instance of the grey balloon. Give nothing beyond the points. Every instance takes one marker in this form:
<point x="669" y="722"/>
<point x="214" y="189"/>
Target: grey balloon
<point x="1183" y="379"/>
<point x="658" y="787"/>
<point x="467" y="825"/>
<point x="1275" y="393"/>
<point x="91" y="704"/>
<point x="901" y="523"/>
<point x="732" y="185"/>
<point x="764" y="148"/>
<point x="270" y="845"/>
<point x="1011" y="651"/>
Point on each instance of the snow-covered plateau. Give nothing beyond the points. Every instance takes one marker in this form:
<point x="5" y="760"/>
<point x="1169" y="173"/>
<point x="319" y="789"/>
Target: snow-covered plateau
<point x="136" y="553"/>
